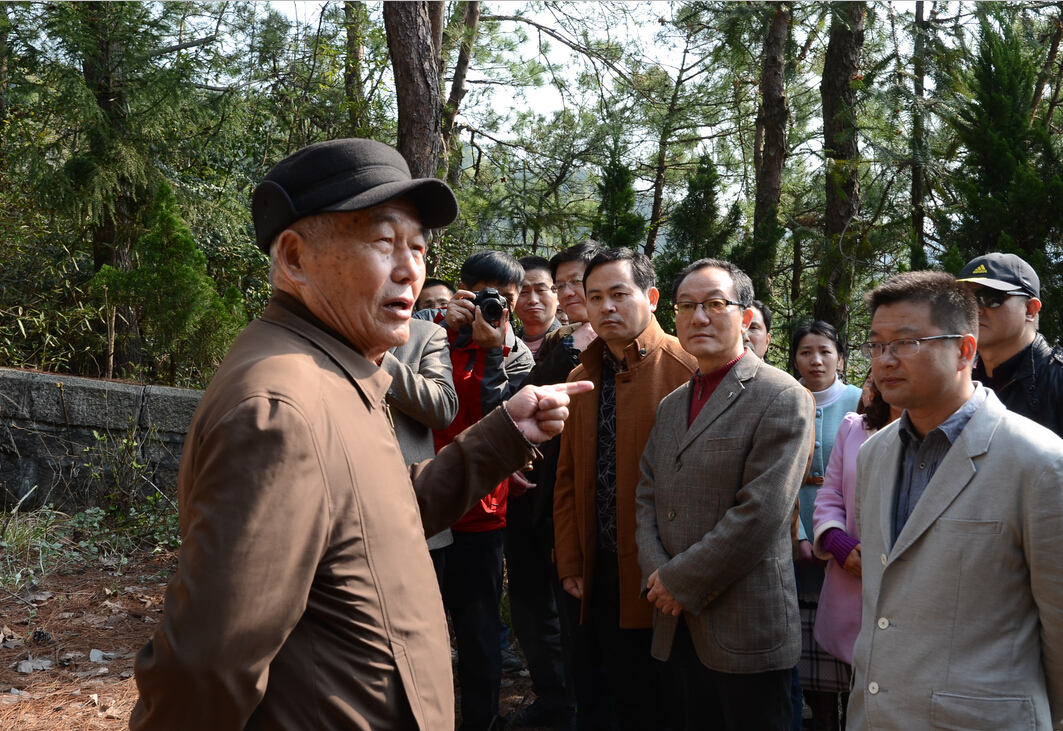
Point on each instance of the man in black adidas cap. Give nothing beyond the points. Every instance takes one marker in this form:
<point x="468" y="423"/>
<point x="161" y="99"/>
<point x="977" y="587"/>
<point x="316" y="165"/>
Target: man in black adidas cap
<point x="305" y="596"/>
<point x="1013" y="358"/>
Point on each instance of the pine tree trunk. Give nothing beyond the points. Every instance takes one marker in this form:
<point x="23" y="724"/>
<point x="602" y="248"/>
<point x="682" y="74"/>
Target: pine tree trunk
<point x="414" y="59"/>
<point x="918" y="246"/>
<point x="770" y="155"/>
<point x="355" y="20"/>
<point x="841" y="148"/>
<point x="112" y="236"/>
<point x="457" y="89"/>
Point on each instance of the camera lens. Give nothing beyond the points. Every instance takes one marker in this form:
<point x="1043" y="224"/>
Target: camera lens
<point x="492" y="310"/>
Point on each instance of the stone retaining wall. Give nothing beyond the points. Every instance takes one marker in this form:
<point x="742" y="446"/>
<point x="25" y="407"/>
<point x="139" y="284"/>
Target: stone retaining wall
<point x="72" y="442"/>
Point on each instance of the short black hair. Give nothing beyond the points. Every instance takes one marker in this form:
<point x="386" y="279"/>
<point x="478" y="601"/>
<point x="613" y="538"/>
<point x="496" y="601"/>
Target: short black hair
<point x="579" y="252"/>
<point x="743" y="285"/>
<point x="535" y="264"/>
<point x="765" y="312"/>
<point x="818" y="327"/>
<point x="953" y="307"/>
<point x="641" y="266"/>
<point x="430" y="282"/>
<point x="491" y="266"/>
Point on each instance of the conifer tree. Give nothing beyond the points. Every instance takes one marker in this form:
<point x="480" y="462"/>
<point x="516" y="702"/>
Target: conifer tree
<point x="184" y="322"/>
<point x="618" y="223"/>
<point x="1009" y="185"/>
<point x="697" y="230"/>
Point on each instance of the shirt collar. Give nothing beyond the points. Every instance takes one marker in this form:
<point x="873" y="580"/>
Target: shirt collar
<point x="952" y="426"/>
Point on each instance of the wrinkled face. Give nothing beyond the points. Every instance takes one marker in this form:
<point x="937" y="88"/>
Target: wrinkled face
<point x="435" y="297"/>
<point x="757" y="336"/>
<point x="619" y="311"/>
<point x="928" y="381"/>
<point x="536" y="303"/>
<point x="362" y="277"/>
<point x="571" y="295"/>
<point x="1003" y="328"/>
<point x="817" y="361"/>
<point x="714" y="339"/>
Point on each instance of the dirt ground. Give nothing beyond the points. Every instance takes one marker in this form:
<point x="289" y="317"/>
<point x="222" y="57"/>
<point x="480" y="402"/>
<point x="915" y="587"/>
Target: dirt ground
<point x="67" y="647"/>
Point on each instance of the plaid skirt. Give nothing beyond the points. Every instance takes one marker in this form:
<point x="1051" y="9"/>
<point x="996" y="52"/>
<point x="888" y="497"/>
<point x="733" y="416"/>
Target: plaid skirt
<point x="819" y="669"/>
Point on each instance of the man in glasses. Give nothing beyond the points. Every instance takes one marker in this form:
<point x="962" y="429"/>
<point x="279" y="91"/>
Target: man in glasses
<point x="1014" y="359"/>
<point x="960" y="507"/>
<point x="720" y="475"/>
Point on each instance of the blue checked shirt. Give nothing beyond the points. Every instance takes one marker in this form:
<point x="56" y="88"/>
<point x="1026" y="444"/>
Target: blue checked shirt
<point x="920" y="457"/>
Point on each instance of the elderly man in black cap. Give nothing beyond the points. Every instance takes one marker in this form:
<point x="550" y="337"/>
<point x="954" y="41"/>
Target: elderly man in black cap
<point x="1013" y="358"/>
<point x="305" y="596"/>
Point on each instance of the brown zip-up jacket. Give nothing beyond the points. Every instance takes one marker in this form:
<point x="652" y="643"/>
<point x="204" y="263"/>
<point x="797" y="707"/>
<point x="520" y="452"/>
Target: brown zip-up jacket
<point x="305" y="596"/>
<point x="657" y="365"/>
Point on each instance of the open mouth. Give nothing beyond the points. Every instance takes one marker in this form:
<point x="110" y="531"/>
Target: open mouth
<point x="401" y="306"/>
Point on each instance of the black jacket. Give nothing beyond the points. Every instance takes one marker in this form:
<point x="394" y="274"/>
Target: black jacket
<point x="1036" y="389"/>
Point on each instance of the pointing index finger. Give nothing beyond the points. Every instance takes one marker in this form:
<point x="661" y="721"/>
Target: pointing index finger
<point x="572" y="387"/>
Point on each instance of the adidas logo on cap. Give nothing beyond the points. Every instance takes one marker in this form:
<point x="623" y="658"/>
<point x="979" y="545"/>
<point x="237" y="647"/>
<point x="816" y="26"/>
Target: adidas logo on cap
<point x="979" y="270"/>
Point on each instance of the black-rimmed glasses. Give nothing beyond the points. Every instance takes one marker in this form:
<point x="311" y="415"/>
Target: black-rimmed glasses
<point x="899" y="348"/>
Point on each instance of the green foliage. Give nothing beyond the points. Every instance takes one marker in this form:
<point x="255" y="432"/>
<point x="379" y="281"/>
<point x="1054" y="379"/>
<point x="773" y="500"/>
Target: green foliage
<point x="697" y="230"/>
<point x="182" y="318"/>
<point x="1010" y="187"/>
<point x="618" y="223"/>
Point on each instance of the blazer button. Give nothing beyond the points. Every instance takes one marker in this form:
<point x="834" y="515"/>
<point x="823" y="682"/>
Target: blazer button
<point x="883" y="623"/>
<point x="883" y="559"/>
<point x="678" y="466"/>
<point x="671" y="515"/>
<point x="642" y="352"/>
<point x="872" y="687"/>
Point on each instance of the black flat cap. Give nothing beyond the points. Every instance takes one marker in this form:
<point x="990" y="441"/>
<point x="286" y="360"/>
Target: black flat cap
<point x="343" y="175"/>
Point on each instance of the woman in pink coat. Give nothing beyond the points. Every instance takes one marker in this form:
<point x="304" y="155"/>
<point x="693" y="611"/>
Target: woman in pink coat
<point x="836" y="536"/>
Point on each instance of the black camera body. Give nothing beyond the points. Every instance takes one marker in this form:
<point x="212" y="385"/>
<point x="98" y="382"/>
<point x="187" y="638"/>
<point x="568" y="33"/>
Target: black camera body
<point x="491" y="305"/>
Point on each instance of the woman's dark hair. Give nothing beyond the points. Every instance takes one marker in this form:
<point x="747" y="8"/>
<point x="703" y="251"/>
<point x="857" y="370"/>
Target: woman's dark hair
<point x="819" y="327"/>
<point x="877" y="415"/>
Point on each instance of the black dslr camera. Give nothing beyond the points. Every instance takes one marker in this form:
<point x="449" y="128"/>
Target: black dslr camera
<point x="491" y="305"/>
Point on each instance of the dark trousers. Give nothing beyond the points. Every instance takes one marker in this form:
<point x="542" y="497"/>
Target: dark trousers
<point x="717" y="701"/>
<point x="533" y="606"/>
<point x="472" y="589"/>
<point x="635" y="679"/>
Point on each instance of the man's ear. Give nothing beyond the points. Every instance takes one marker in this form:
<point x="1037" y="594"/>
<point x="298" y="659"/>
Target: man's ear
<point x="968" y="351"/>
<point x="653" y="295"/>
<point x="1033" y="306"/>
<point x="290" y="250"/>
<point x="747" y="320"/>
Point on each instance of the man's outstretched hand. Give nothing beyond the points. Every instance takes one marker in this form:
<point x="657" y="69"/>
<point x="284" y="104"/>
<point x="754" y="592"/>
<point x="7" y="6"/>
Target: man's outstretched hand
<point x="540" y="411"/>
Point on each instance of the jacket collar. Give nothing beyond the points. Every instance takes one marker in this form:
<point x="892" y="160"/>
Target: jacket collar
<point x="638" y="351"/>
<point x="952" y="476"/>
<point x="286" y="311"/>
<point x="726" y="394"/>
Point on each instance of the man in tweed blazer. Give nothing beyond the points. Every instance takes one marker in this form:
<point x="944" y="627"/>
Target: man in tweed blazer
<point x="720" y="476"/>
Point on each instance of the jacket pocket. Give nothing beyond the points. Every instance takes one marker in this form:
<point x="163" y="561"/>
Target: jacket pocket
<point x="985" y="527"/>
<point x="971" y="713"/>
<point x="750" y="616"/>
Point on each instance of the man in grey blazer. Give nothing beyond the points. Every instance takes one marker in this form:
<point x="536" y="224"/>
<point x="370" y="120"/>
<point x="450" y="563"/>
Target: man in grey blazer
<point x="422" y="398"/>
<point x="960" y="508"/>
<point x="720" y="475"/>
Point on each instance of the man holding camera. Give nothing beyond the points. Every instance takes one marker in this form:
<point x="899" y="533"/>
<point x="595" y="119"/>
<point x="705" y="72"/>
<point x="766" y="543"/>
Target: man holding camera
<point x="489" y="364"/>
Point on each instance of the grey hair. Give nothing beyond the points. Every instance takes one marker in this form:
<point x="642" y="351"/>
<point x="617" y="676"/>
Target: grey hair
<point x="313" y="229"/>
